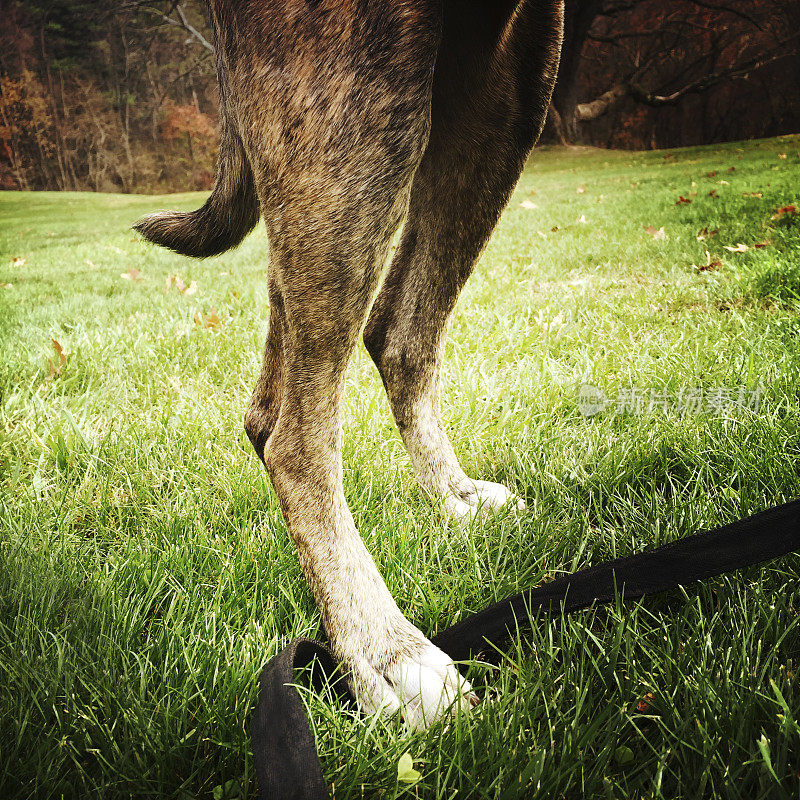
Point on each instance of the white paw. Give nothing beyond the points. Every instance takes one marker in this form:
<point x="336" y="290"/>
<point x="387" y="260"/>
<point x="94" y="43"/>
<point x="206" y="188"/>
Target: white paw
<point x="480" y="497"/>
<point x="424" y="687"/>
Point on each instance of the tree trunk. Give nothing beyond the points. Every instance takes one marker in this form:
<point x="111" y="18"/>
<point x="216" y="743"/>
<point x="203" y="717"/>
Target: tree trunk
<point x="58" y="143"/>
<point x="579" y="16"/>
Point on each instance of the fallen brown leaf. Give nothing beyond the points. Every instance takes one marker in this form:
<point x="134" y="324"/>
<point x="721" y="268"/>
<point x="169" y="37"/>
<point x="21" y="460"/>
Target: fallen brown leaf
<point x="709" y="265"/>
<point x="712" y="193"/>
<point x="765" y="243"/>
<point x="19" y="261"/>
<point x="705" y="233"/>
<point x="752" y="194"/>
<point x="656" y="233"/>
<point x="738" y="248"/>
<point x="175" y="280"/>
<point x="682" y="200"/>
<point x="132" y="274"/>
<point x="528" y="204"/>
<point x="62" y="360"/>
<point x="644" y="705"/>
<point x="784" y="211"/>
<point x="210" y="320"/>
<point x="711" y="174"/>
<point x="580" y="190"/>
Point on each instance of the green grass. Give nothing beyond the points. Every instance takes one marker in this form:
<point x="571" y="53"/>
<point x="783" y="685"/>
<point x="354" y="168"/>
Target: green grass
<point x="146" y="575"/>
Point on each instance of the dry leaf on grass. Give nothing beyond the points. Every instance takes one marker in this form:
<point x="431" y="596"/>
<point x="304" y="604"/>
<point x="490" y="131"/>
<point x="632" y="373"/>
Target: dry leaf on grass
<point x="132" y="274"/>
<point x="705" y="233"/>
<point x="210" y="320"/>
<point x="19" y="261"/>
<point x="644" y="705"/>
<point x="528" y="204"/>
<point x="710" y="264"/>
<point x="765" y="243"/>
<point x="753" y="194"/>
<point x="784" y="211"/>
<point x="737" y="248"/>
<point x="682" y="200"/>
<point x="580" y="190"/>
<point x="62" y="360"/>
<point x="659" y="234"/>
<point x="175" y="280"/>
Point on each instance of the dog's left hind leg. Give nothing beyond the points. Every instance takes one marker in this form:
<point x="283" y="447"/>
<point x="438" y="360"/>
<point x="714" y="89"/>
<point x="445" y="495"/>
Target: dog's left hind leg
<point x="491" y="90"/>
<point x="406" y="330"/>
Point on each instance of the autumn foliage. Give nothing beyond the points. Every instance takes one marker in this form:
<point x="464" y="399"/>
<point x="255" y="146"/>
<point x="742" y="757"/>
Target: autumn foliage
<point x="122" y="97"/>
<point x="102" y="97"/>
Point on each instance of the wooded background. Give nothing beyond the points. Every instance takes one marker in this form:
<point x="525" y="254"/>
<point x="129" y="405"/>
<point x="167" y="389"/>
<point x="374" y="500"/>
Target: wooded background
<point x="121" y="96"/>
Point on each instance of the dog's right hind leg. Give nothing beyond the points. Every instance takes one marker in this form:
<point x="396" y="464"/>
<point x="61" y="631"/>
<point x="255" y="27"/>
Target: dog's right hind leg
<point x="390" y="662"/>
<point x="333" y="158"/>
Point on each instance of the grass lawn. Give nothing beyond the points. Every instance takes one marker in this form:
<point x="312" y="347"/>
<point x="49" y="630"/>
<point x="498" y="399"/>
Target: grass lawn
<point x="146" y="575"/>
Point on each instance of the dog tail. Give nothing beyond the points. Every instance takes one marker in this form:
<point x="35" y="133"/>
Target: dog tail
<point x="229" y="214"/>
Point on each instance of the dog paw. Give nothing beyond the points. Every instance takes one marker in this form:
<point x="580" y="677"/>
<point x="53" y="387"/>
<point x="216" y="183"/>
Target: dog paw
<point x="474" y="498"/>
<point x="424" y="686"/>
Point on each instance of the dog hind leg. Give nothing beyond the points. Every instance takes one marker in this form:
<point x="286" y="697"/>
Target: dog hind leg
<point x="491" y="90"/>
<point x="333" y="154"/>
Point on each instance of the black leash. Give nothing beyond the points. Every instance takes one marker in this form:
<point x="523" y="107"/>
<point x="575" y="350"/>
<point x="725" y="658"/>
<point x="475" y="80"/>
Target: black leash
<point x="286" y="760"/>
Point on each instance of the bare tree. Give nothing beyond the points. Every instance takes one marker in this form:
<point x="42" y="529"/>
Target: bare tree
<point x="656" y="54"/>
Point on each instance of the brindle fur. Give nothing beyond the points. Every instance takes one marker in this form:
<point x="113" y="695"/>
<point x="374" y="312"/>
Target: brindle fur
<point x="339" y="121"/>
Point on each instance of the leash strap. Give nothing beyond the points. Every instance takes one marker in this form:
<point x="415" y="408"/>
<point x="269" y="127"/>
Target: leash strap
<point x="286" y="760"/>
